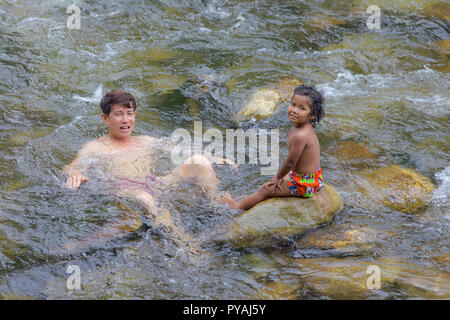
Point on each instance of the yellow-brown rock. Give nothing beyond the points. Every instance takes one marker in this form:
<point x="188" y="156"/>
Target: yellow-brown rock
<point x="400" y="189"/>
<point x="12" y="296"/>
<point x="264" y="101"/>
<point x="261" y="104"/>
<point x="374" y="53"/>
<point x="321" y="21"/>
<point x="355" y="154"/>
<point x="444" y="46"/>
<point x="334" y="278"/>
<point x="440" y="10"/>
<point x="277" y="291"/>
<point x="340" y="237"/>
<point x="278" y="218"/>
<point x="443" y="261"/>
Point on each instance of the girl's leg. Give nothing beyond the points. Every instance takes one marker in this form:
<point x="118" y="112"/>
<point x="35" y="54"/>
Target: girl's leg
<point x="264" y="192"/>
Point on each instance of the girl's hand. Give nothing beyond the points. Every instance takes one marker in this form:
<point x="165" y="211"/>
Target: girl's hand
<point x="276" y="183"/>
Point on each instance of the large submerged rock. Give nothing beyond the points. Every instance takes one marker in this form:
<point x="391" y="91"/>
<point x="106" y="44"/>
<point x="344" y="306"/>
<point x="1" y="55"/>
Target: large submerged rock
<point x="332" y="278"/>
<point x="322" y="21"/>
<point x="354" y="154"/>
<point x="276" y="290"/>
<point x="344" y="239"/>
<point x="374" y="53"/>
<point x="400" y="189"/>
<point x="278" y="218"/>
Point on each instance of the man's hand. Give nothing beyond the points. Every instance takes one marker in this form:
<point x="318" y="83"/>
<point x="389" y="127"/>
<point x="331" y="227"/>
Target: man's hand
<point x="276" y="183"/>
<point x="75" y="179"/>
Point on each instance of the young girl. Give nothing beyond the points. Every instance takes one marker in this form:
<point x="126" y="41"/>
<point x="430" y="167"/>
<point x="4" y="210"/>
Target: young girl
<point x="300" y="175"/>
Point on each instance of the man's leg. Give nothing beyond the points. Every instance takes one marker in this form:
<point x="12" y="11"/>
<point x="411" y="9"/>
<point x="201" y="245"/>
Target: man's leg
<point x="162" y="217"/>
<point x="199" y="168"/>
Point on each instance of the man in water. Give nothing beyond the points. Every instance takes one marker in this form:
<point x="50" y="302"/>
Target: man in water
<point x="127" y="161"/>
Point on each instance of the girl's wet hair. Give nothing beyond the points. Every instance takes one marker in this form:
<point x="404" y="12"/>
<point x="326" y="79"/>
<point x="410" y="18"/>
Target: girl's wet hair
<point x="117" y="97"/>
<point x="317" y="101"/>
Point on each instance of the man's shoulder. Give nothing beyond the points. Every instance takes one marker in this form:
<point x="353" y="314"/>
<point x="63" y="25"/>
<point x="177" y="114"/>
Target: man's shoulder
<point x="145" y="139"/>
<point x="95" y="142"/>
<point x="93" y="145"/>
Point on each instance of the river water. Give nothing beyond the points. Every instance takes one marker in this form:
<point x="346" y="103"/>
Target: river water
<point x="385" y="89"/>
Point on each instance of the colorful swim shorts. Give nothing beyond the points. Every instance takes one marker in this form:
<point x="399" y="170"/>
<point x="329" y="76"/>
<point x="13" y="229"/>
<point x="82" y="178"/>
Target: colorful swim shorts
<point x="305" y="185"/>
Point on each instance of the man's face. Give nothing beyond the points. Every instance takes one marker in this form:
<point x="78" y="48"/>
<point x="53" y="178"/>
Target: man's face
<point x="120" y="121"/>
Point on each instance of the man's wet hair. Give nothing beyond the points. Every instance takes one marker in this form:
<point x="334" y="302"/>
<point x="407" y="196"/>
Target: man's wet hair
<point x="117" y="97"/>
<point x="317" y="102"/>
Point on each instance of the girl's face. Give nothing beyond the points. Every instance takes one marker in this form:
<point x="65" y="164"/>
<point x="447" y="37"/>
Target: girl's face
<point x="299" y="110"/>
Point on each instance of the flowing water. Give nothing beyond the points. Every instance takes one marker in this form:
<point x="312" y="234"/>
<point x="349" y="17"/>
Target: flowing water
<point x="385" y="89"/>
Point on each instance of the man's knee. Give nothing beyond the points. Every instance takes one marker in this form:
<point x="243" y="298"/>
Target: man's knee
<point x="198" y="159"/>
<point x="196" y="165"/>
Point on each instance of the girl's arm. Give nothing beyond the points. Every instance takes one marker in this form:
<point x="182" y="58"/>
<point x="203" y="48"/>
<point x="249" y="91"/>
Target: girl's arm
<point x="296" y="148"/>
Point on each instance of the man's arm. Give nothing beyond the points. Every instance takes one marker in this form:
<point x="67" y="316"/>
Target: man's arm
<point x="73" y="170"/>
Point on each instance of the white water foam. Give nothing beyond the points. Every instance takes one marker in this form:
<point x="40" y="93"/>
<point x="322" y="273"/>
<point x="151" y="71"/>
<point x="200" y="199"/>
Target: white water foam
<point x="440" y="196"/>
<point x="98" y="94"/>
<point x="433" y="88"/>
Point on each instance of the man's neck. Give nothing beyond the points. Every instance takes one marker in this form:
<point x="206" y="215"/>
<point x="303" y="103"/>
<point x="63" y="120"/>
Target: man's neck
<point x="120" y="142"/>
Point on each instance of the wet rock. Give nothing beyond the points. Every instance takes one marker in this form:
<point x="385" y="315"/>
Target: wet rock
<point x="276" y="290"/>
<point x="161" y="82"/>
<point x="443" y="47"/>
<point x="21" y="138"/>
<point x="430" y="145"/>
<point x="149" y="56"/>
<point x="374" y="53"/>
<point x="443" y="261"/>
<point x="259" y="265"/>
<point x="354" y="154"/>
<point x="278" y="218"/>
<point x="440" y="10"/>
<point x="344" y="238"/>
<point x="261" y="104"/>
<point x="205" y="82"/>
<point x="103" y="282"/>
<point x="263" y="267"/>
<point x="264" y="101"/>
<point x="321" y="21"/>
<point x="405" y="5"/>
<point x="400" y="189"/>
<point x="12" y="296"/>
<point x="11" y="252"/>
<point x="192" y="107"/>
<point x="334" y="278"/>
<point x="129" y="221"/>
